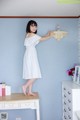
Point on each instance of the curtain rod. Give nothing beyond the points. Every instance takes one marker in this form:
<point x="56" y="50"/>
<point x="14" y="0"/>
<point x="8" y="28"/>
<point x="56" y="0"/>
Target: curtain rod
<point x="39" y="16"/>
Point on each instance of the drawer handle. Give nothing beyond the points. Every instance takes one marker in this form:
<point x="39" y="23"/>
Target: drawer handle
<point x="69" y="93"/>
<point x="69" y="101"/>
<point x="69" y="117"/>
<point x="65" y="103"/>
<point x="64" y="88"/>
<point x="65" y="96"/>
<point x="65" y="117"/>
<point x="69" y="109"/>
<point x="64" y="110"/>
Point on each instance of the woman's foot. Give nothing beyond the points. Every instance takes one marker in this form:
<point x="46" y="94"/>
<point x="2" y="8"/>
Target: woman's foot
<point x="31" y="94"/>
<point x="24" y="89"/>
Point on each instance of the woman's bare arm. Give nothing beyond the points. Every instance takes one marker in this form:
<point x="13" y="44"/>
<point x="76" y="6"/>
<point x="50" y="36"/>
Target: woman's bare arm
<point x="47" y="36"/>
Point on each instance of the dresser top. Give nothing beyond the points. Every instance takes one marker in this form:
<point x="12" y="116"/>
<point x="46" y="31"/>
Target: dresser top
<point x="18" y="96"/>
<point x="71" y="84"/>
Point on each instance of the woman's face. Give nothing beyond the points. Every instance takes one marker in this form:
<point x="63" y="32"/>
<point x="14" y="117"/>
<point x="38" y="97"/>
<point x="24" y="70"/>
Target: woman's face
<point x="33" y="28"/>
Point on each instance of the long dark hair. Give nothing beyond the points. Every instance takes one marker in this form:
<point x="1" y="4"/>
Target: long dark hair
<point x="31" y="22"/>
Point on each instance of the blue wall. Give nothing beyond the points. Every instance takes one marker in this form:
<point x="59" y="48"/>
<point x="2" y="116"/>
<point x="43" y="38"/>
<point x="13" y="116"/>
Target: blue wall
<point x="54" y="58"/>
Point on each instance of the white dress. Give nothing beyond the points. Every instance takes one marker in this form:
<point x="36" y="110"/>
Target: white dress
<point x="31" y="67"/>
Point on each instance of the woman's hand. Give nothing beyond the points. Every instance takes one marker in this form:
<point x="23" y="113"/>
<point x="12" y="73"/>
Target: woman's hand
<point x="51" y="33"/>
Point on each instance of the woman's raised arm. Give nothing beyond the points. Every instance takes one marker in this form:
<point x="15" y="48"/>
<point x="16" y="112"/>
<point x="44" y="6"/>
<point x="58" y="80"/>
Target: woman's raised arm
<point x="49" y="35"/>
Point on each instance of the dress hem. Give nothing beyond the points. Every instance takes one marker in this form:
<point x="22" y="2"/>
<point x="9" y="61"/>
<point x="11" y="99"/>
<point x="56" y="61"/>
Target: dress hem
<point x="33" y="78"/>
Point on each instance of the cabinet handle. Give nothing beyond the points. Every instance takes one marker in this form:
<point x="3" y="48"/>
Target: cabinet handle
<point x="69" y="109"/>
<point x="64" y="88"/>
<point x="65" y="103"/>
<point x="65" y="96"/>
<point x="69" y="117"/>
<point x="65" y="117"/>
<point x="69" y="101"/>
<point x="64" y="110"/>
<point x="69" y="93"/>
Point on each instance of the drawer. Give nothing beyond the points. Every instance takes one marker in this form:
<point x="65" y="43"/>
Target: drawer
<point x="69" y="105"/>
<point x="65" y="88"/>
<point x="12" y="105"/>
<point x="69" y="96"/>
<point x="66" y="99"/>
<point x="27" y="105"/>
<point x="2" y="106"/>
<point x="66" y="93"/>
<point x="67" y="116"/>
<point x="67" y="109"/>
<point x="65" y="104"/>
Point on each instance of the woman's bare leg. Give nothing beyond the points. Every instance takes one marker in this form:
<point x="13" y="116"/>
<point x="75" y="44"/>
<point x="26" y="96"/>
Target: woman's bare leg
<point x="28" y="85"/>
<point x="30" y="88"/>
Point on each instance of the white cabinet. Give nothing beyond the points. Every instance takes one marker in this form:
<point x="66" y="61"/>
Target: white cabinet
<point x="70" y="100"/>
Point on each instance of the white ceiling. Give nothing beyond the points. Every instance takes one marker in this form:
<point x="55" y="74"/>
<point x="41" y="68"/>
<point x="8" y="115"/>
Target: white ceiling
<point x="37" y="8"/>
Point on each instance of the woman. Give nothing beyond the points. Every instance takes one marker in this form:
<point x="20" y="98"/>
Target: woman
<point x="31" y="69"/>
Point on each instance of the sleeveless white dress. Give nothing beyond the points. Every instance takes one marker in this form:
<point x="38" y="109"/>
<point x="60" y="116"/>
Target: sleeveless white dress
<point x="31" y="68"/>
